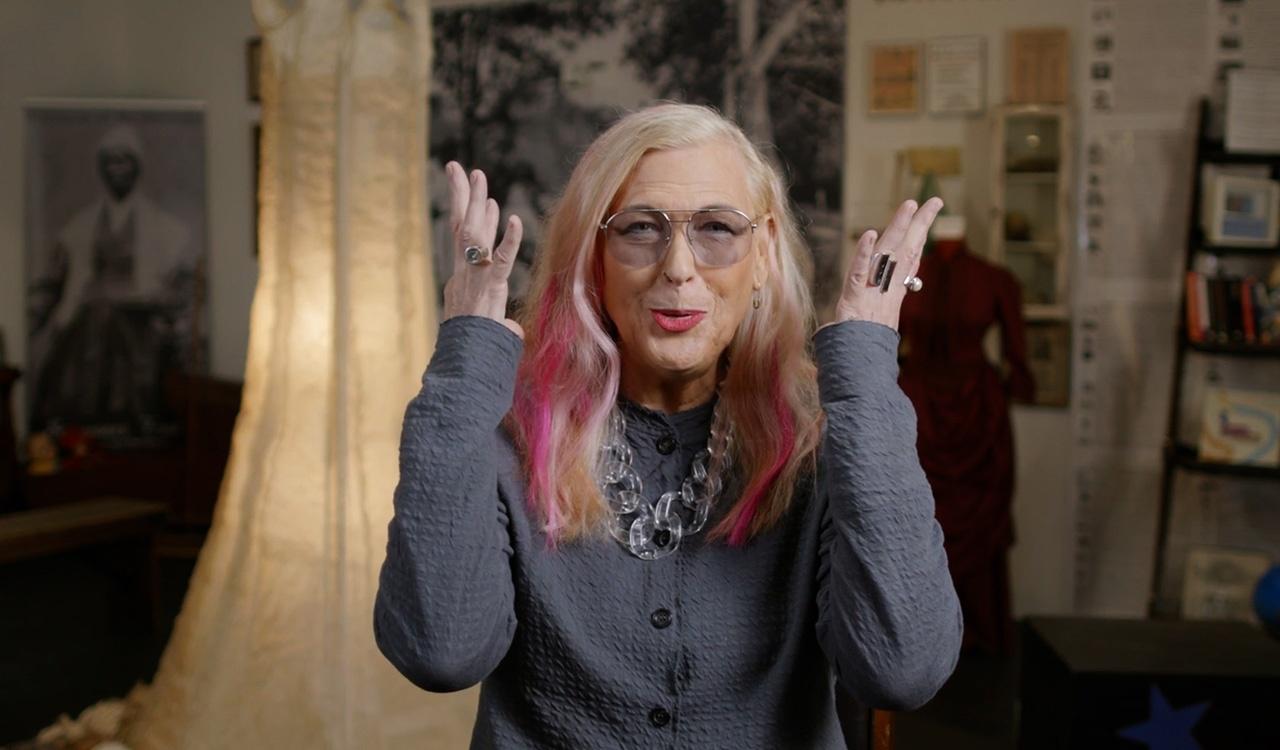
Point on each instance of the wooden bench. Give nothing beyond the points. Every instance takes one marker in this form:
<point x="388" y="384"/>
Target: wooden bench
<point x="48" y="531"/>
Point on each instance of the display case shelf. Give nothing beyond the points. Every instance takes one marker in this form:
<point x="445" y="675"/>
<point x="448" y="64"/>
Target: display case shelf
<point x="1188" y="458"/>
<point x="1235" y="349"/>
<point x="1179" y="456"/>
<point x="1199" y="242"/>
<point x="1031" y="176"/>
<point x="1214" y="152"/>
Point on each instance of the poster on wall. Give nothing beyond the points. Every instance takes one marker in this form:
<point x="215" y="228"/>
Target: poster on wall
<point x="1039" y="65"/>
<point x="519" y="91"/>
<point x="956" y="82"/>
<point x="894" y="88"/>
<point x="115" y="250"/>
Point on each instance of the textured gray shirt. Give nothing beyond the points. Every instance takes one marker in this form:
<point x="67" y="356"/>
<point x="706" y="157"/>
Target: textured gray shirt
<point x="587" y="646"/>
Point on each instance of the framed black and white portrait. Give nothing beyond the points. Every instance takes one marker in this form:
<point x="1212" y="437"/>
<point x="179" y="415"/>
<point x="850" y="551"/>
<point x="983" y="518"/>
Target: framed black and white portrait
<point x="520" y="89"/>
<point x="115" y="263"/>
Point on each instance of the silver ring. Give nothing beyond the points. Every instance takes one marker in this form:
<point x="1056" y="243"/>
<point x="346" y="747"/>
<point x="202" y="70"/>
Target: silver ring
<point x="477" y="255"/>
<point x="882" y="265"/>
<point x="913" y="283"/>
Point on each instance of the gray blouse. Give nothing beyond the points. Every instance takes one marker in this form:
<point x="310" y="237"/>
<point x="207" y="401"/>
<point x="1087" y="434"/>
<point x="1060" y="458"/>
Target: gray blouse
<point x="587" y="646"/>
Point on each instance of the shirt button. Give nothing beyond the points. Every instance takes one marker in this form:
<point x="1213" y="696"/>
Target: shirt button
<point x="660" y="618"/>
<point x="666" y="445"/>
<point x="659" y="717"/>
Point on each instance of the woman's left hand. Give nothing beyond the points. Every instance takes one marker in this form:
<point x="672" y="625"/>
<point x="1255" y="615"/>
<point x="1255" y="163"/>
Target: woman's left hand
<point x="903" y="241"/>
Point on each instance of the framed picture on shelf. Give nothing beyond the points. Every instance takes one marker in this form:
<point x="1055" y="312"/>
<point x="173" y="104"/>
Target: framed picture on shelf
<point x="1219" y="583"/>
<point x="1240" y="427"/>
<point x="1241" y="210"/>
<point x="1049" y="359"/>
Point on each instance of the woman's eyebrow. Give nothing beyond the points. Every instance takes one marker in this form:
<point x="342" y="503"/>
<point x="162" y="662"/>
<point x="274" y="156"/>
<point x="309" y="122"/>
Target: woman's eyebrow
<point x="649" y="207"/>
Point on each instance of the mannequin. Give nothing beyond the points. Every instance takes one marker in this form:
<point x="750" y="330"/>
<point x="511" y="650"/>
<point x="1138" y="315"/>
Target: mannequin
<point x="965" y="438"/>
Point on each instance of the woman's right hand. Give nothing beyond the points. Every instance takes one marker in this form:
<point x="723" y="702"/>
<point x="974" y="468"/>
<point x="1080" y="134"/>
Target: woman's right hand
<point x="479" y="289"/>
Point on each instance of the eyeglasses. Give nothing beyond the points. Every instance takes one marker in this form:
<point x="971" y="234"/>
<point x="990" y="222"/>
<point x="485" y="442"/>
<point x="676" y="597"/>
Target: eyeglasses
<point x="639" y="237"/>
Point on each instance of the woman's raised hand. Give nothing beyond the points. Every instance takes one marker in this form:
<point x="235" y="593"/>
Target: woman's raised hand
<point x="479" y="289"/>
<point x="903" y="241"/>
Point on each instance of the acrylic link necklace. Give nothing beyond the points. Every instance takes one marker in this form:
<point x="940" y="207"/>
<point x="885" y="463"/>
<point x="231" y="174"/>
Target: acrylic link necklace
<point x="653" y="530"/>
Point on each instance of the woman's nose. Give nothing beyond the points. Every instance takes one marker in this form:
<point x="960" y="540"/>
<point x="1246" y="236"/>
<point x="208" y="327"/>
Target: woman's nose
<point x="679" y="265"/>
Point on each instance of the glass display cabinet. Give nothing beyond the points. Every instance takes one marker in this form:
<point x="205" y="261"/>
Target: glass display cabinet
<point x="1030" y="223"/>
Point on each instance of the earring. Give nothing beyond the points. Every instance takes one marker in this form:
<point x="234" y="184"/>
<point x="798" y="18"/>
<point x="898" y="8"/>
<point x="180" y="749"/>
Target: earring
<point x="755" y="299"/>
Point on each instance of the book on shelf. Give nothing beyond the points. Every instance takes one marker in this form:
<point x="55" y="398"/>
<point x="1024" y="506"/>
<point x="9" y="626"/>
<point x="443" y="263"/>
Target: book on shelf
<point x="1240" y="427"/>
<point x="1231" y="310"/>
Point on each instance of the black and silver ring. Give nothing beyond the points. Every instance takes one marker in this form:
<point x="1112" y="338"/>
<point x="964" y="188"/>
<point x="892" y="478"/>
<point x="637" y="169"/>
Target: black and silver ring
<point x="477" y="255"/>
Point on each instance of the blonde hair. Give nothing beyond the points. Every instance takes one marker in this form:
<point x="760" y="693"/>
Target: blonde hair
<point x="568" y="377"/>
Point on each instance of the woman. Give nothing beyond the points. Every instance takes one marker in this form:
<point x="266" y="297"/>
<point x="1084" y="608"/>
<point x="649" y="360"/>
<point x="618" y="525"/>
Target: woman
<point x="641" y="517"/>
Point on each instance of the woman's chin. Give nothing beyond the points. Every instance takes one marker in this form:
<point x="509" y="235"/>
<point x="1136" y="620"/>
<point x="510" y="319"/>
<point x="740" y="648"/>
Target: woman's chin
<point x="677" y="362"/>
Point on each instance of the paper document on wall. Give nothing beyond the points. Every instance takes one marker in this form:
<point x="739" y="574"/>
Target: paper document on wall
<point x="1135" y="207"/>
<point x="1139" y="65"/>
<point x="1253" y="110"/>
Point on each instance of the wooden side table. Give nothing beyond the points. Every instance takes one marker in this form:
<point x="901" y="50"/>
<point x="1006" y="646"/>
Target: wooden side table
<point x="40" y="532"/>
<point x="1103" y="683"/>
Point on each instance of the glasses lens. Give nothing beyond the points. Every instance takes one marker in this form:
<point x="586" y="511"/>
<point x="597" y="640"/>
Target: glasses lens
<point x="638" y="238"/>
<point x="721" y="238"/>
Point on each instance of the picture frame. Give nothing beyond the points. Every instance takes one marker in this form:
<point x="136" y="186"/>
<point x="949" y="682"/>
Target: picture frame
<point x="1049" y="359"/>
<point x="1241" y="210"/>
<point x="256" y="145"/>
<point x="116" y="235"/>
<point x="1240" y="427"/>
<point x="1218" y="583"/>
<point x="956" y="81"/>
<point x="894" y="83"/>
<point x="253" y="69"/>
<point x="1038" y="66"/>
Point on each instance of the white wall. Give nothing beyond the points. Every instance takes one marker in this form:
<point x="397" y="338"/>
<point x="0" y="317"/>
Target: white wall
<point x="166" y="49"/>
<point x="1043" y="558"/>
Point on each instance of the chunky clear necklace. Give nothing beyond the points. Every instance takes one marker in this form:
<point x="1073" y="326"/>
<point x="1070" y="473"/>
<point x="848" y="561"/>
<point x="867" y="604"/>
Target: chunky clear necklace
<point x="653" y="530"/>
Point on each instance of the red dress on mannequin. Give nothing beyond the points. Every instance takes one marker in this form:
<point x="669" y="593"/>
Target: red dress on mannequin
<point x="965" y="438"/>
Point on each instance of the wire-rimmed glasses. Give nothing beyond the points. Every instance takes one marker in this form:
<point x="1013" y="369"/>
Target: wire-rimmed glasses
<point x="639" y="237"/>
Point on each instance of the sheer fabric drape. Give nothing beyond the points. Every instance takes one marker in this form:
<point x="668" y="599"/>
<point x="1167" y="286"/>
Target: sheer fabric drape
<point x="274" y="645"/>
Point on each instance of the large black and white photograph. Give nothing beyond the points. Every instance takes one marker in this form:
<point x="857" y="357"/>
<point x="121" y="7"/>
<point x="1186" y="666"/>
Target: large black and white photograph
<point x="520" y="89"/>
<point x="115" y="229"/>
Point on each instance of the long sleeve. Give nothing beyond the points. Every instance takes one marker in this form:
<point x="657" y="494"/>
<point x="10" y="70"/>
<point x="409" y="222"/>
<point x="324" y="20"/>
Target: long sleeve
<point x="444" y="613"/>
<point x="1020" y="385"/>
<point x="888" y="616"/>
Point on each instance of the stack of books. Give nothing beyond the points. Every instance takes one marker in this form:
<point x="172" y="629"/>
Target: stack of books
<point x="1232" y="310"/>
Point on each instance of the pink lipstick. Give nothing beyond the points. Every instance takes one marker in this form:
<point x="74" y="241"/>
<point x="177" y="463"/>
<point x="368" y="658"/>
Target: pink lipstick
<point x="677" y="321"/>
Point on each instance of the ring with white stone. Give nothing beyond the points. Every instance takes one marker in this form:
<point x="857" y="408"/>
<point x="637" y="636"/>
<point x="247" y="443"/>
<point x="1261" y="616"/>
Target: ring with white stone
<point x="477" y="255"/>
<point x="913" y="283"/>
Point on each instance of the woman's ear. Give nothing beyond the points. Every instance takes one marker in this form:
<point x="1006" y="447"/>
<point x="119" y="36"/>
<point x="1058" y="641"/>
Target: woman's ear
<point x="766" y="260"/>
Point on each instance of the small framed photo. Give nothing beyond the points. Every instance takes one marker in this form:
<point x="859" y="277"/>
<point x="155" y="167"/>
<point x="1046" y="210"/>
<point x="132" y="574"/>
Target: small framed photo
<point x="1219" y="583"/>
<point x="253" y="68"/>
<point x="1240" y="210"/>
<point x="1049" y="359"/>
<point x="894" y="88"/>
<point x="1240" y="427"/>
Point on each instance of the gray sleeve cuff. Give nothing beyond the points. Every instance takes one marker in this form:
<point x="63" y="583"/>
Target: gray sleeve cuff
<point x="481" y="351"/>
<point x="855" y="355"/>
